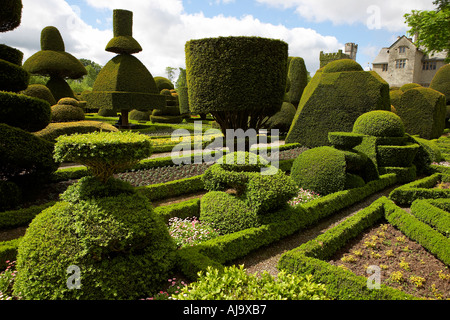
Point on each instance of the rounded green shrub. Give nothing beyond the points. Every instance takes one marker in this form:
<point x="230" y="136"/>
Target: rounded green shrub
<point x="297" y="79"/>
<point x="104" y="153"/>
<point x="11" y="55"/>
<point x="139" y="115"/>
<point x="105" y="112"/>
<point x="242" y="162"/>
<point x="121" y="248"/>
<point x="24" y="157"/>
<point x="164" y="83"/>
<point x="409" y="86"/>
<point x="54" y="130"/>
<point x="342" y="65"/>
<point x="441" y="81"/>
<point x="24" y="112"/>
<point x="13" y="77"/>
<point x="423" y="112"/>
<point x="40" y="91"/>
<point x="63" y="113"/>
<point x="10" y="195"/>
<point x="322" y="170"/>
<point x="10" y="15"/>
<point x="379" y="124"/>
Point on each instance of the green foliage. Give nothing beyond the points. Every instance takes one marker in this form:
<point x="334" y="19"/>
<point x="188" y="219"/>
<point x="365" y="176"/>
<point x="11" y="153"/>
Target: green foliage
<point x="40" y="91"/>
<point x="426" y="211"/>
<point x="10" y="195"/>
<point x="322" y="170"/>
<point x="282" y="120"/>
<point x="431" y="28"/>
<point x="236" y="284"/>
<point x="10" y="15"/>
<point x="397" y="156"/>
<point x="24" y="112"/>
<point x="105" y="153"/>
<point x="163" y="83"/>
<point x="139" y="115"/>
<point x="333" y="101"/>
<point x="342" y="65"/>
<point x="13" y="77"/>
<point x="379" y="124"/>
<point x="408" y="86"/>
<point x="66" y="113"/>
<point x="11" y="55"/>
<point x="240" y="76"/>
<point x="423" y="112"/>
<point x="122" y="248"/>
<point x="345" y="140"/>
<point x="441" y="81"/>
<point x="24" y="156"/>
<point x="11" y="219"/>
<point x="298" y="79"/>
<point x="54" y="130"/>
<point x="123" y="41"/>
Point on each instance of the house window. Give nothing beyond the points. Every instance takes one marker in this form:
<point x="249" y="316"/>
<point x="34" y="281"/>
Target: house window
<point x="402" y="50"/>
<point x="384" y="67"/>
<point x="429" y="65"/>
<point x="400" y="64"/>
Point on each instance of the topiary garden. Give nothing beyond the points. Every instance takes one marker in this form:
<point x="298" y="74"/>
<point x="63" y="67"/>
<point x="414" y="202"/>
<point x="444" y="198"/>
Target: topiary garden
<point x="114" y="217"/>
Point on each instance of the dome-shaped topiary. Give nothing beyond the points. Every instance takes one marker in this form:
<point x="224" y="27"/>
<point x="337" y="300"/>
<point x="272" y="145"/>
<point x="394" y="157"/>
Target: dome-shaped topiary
<point x="380" y="124"/>
<point x="40" y="91"/>
<point x="342" y="65"/>
<point x="66" y="110"/>
<point x="164" y="83"/>
<point x="409" y="86"/>
<point x="441" y="81"/>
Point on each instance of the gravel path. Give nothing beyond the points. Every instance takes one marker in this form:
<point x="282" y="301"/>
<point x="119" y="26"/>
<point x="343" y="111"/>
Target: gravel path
<point x="266" y="259"/>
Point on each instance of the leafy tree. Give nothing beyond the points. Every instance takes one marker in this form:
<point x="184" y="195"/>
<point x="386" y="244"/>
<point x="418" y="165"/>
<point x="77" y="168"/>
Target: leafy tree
<point x="432" y="28"/>
<point x="170" y="73"/>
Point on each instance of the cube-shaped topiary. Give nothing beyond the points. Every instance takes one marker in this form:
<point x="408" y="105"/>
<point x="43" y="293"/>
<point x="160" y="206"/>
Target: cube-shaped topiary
<point x="423" y="112"/>
<point x="124" y="83"/>
<point x="333" y="100"/>
<point x="55" y="62"/>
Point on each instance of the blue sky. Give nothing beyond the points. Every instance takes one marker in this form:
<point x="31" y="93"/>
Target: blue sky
<point x="162" y="27"/>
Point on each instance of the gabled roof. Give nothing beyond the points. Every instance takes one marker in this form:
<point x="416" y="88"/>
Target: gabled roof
<point x="383" y="57"/>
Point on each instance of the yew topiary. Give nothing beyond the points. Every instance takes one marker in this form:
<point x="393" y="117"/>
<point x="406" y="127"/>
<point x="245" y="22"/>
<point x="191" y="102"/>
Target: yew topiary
<point x="54" y="62"/>
<point x="40" y="91"/>
<point x="298" y="80"/>
<point x="124" y="83"/>
<point x="334" y="98"/>
<point x="67" y="110"/>
<point x="441" y="82"/>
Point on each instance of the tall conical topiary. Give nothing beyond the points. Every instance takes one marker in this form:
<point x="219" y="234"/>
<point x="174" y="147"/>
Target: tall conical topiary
<point x="124" y="83"/>
<point x="53" y="61"/>
<point x="24" y="158"/>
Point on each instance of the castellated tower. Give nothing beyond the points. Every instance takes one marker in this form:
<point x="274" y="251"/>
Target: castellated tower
<point x="351" y="50"/>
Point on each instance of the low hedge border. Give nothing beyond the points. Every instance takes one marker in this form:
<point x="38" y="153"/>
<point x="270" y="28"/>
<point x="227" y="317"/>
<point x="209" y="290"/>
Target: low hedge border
<point x="343" y="284"/>
<point x="420" y="189"/>
<point x="278" y="225"/>
<point x="8" y="251"/>
<point x="429" y="212"/>
<point x="21" y="217"/>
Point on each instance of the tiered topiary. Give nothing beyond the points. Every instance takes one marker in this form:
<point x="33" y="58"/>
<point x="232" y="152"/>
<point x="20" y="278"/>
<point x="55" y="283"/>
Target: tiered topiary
<point x="25" y="159"/>
<point x="333" y="100"/>
<point x="386" y="144"/>
<point x="326" y="170"/>
<point x="124" y="83"/>
<point x="238" y="80"/>
<point x="67" y="110"/>
<point x="423" y="111"/>
<point x="55" y="62"/>
<point x="101" y="227"/>
<point x="257" y="192"/>
<point x="164" y="83"/>
<point x="171" y="112"/>
<point x="298" y="79"/>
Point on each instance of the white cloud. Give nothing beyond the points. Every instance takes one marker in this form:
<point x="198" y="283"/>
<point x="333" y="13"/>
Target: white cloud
<point x="162" y="27"/>
<point x="385" y="14"/>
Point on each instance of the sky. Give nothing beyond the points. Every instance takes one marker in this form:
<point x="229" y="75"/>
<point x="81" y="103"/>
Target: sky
<point x="163" y="27"/>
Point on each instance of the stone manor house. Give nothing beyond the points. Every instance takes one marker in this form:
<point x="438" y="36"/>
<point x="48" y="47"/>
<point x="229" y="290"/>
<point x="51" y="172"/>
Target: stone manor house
<point x="404" y="63"/>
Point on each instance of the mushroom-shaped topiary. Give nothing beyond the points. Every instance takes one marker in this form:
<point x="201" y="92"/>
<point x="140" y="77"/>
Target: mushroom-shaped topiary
<point x="101" y="227"/>
<point x="124" y="83"/>
<point x="55" y="62"/>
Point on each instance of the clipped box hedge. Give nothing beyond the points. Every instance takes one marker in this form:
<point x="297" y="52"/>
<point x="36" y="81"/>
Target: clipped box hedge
<point x="433" y="212"/>
<point x="344" y="285"/>
<point x="421" y="189"/>
<point x="277" y="225"/>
